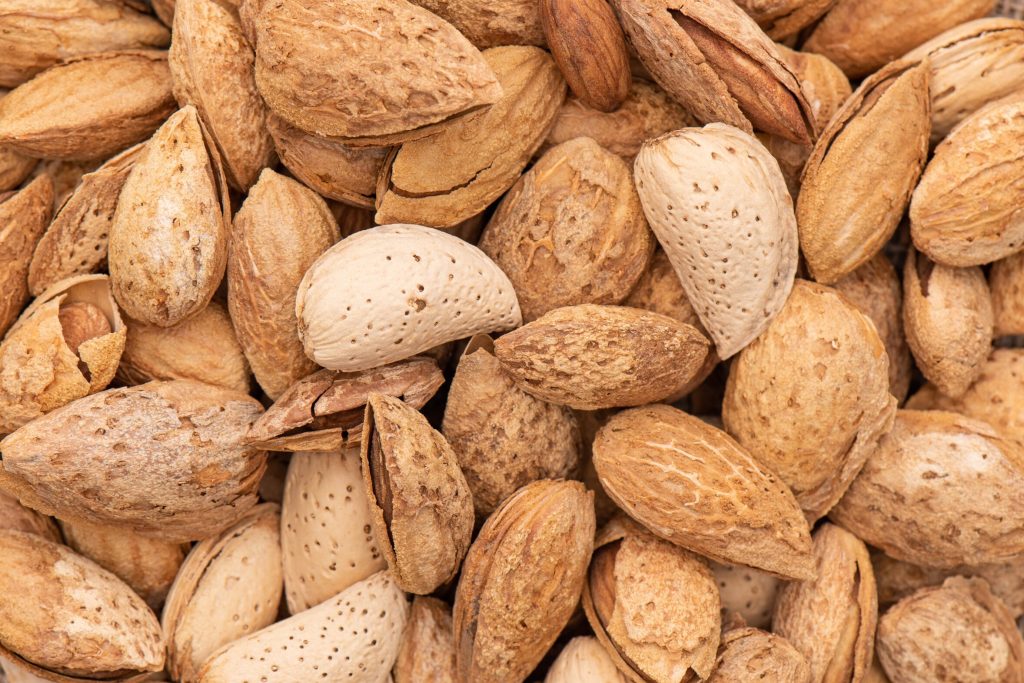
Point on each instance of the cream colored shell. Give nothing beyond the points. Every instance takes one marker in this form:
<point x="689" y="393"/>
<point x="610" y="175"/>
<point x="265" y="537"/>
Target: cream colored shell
<point x="584" y="660"/>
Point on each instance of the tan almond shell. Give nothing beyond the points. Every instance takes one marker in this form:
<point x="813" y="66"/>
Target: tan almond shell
<point x="427" y="654"/>
<point x="18" y="670"/>
<point x="335" y="170"/>
<point x="504" y="438"/>
<point x="24" y="216"/>
<point x="589" y="356"/>
<point x="65" y="613"/>
<point x="39" y="371"/>
<point x="16" y="517"/>
<point x="647" y="112"/>
<point x="201" y="348"/>
<point x="14" y="167"/>
<point x="958" y="629"/>
<point x="148" y="566"/>
<point x="37" y="34"/>
<point x="75" y="243"/>
<point x="571" y="230"/>
<point x="861" y="36"/>
<point x="962" y="213"/>
<point x="715" y="61"/>
<point x="456" y="173"/>
<point x="936" y="471"/>
<point x="228" y="587"/>
<point x="501" y="22"/>
<point x="583" y="660"/>
<point x="874" y="288"/>
<point x="653" y="605"/>
<point x="831" y="619"/>
<point x="281" y="229"/>
<point x="521" y="580"/>
<point x="326" y="536"/>
<point x="120" y="99"/>
<point x="972" y="64"/>
<point x="362" y="98"/>
<point x="175" y="196"/>
<point x="212" y="68"/>
<point x="822" y="364"/>
<point x="693" y="485"/>
<point x="1006" y="286"/>
<point x="947" y="316"/>
<point x="65" y="174"/>
<point x="750" y="655"/>
<point x="784" y="18"/>
<point x="748" y="592"/>
<point x="659" y="290"/>
<point x="421" y="508"/>
<point x="164" y="459"/>
<point x="859" y="178"/>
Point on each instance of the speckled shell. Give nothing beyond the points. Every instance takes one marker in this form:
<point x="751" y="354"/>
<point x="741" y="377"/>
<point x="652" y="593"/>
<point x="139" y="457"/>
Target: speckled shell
<point x="456" y="173"/>
<point x="163" y="458"/>
<point x="859" y="178"/>
<point x="421" y="507"/>
<point x="504" y="438"/>
<point x="1006" y="286"/>
<point x="406" y="70"/>
<point x="715" y="61"/>
<point x="487" y="24"/>
<point x="120" y="99"/>
<point x="590" y="357"/>
<point x="24" y="216"/>
<point x="783" y="18"/>
<point x="583" y="660"/>
<point x="212" y="68"/>
<point x="326" y="535"/>
<point x="748" y="592"/>
<point x="570" y="231"/>
<point x="749" y="655"/>
<point x="959" y="631"/>
<point x="365" y="623"/>
<point x="947" y="315"/>
<point x="281" y="229"/>
<point x="831" y="619"/>
<point x="16" y="517"/>
<point x="863" y="35"/>
<point x="522" y="580"/>
<point x="168" y="241"/>
<point x="964" y="211"/>
<point x="75" y="243"/>
<point x="393" y="291"/>
<point x="427" y="654"/>
<point x="202" y="348"/>
<point x="875" y="290"/>
<point x="228" y="587"/>
<point x="822" y="365"/>
<point x="652" y="459"/>
<point x="36" y="34"/>
<point x="730" y="233"/>
<point x="67" y="614"/>
<point x="972" y="64"/>
<point x="654" y="606"/>
<point x="936" y="471"/>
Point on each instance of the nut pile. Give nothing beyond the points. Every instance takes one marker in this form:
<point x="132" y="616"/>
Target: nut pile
<point x="492" y="341"/>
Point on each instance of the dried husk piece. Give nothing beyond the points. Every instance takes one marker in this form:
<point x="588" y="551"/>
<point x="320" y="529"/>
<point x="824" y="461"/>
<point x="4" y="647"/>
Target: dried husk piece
<point x="784" y="18"/>
<point x="859" y="178"/>
<point x="66" y="345"/>
<point x="456" y="173"/>
<point x="428" y="645"/>
<point x="750" y="655"/>
<point x="24" y="216"/>
<point x="1006" y="286"/>
<point x="831" y="619"/>
<point x="490" y="24"/>
<point x="16" y="517"/>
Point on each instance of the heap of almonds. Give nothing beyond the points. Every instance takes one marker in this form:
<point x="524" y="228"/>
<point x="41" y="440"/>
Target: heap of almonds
<point x="491" y="341"/>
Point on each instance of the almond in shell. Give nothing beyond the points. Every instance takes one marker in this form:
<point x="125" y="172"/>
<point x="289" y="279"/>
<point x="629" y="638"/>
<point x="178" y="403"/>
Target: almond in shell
<point x="783" y="18"/>
<point x="428" y="645"/>
<point x="24" y="216"/>
<point x="1006" y="286"/>
<point x="748" y="592"/>
<point x="750" y="655"/>
<point x="501" y="22"/>
<point x="584" y="660"/>
<point x="16" y="517"/>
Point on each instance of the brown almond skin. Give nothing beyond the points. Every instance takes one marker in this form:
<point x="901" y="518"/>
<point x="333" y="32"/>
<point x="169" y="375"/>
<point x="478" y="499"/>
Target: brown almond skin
<point x="522" y="580"/>
<point x="750" y="655"/>
<point x="933" y="472"/>
<point x="942" y="633"/>
<point x="831" y="619"/>
<point x="571" y="230"/>
<point x="651" y="460"/>
<point x="428" y="646"/>
<point x="24" y="216"/>
<point x="16" y="517"/>
<point x="502" y="22"/>
<point x="589" y="357"/>
<point x="280" y="230"/>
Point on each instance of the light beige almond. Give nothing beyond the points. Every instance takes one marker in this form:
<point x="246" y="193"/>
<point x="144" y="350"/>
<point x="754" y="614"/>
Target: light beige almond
<point x="24" y="216"/>
<point x="583" y="660"/>
<point x="749" y="655"/>
<point x="427" y="654"/>
<point x="501" y="22"/>
<point x="1006" y="286"/>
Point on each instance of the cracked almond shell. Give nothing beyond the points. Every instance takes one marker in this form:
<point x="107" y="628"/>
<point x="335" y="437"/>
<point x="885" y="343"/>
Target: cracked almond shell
<point x="24" y="216"/>
<point x="500" y="22"/>
<point x="428" y="645"/>
<point x="583" y="660"/>
<point x="750" y="655"/>
<point x="748" y="592"/>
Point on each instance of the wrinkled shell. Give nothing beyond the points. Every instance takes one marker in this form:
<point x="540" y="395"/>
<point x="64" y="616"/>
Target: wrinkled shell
<point x="691" y="484"/>
<point x="393" y="291"/>
<point x="1006" y="286"/>
<point x="947" y="315"/>
<point x="730" y="233"/>
<point x="522" y="580"/>
<point x="281" y="229"/>
<point x="16" y="517"/>
<point x="163" y="458"/>
<point x="583" y="660"/>
<point x="456" y="173"/>
<point x="749" y="655"/>
<point x="747" y="592"/>
<point x="822" y="364"/>
<point x="24" y="216"/>
<point x="570" y="231"/>
<point x="937" y="471"/>
<point x="427" y="654"/>
<point x="499" y="22"/>
<point x="783" y="18"/>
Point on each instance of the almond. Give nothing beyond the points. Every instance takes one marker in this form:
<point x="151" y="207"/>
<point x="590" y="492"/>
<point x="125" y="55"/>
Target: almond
<point x="747" y="592"/>
<point x="14" y="167"/>
<point x="583" y="660"/>
<point x="501" y="22"/>
<point x="1006" y="286"/>
<point x="65" y="174"/>
<point x="428" y="646"/>
<point x="783" y="18"/>
<point x="24" y="216"/>
<point x="16" y="517"/>
<point x="659" y="290"/>
<point x="748" y="655"/>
